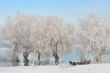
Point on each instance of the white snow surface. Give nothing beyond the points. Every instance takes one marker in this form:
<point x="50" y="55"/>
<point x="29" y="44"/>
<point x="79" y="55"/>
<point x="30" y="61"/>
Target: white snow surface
<point x="92" y="68"/>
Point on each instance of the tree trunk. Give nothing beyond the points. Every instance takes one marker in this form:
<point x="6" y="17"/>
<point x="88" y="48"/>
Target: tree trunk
<point x="15" y="58"/>
<point x="39" y="54"/>
<point x="81" y="56"/>
<point x="56" y="57"/>
<point x="98" y="59"/>
<point x="82" y="59"/>
<point x="15" y="61"/>
<point x="26" y="61"/>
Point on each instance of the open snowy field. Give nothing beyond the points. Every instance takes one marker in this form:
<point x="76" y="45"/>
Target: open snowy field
<point x="93" y="68"/>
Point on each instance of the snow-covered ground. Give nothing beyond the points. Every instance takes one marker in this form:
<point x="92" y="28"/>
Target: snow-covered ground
<point x="93" y="68"/>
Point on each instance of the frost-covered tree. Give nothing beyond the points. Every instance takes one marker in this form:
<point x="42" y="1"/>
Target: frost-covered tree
<point x="17" y="32"/>
<point x="23" y="24"/>
<point x="60" y="37"/>
<point x="93" y="33"/>
<point x="39" y="38"/>
<point x="81" y="46"/>
<point x="106" y="28"/>
<point x="52" y="34"/>
<point x="9" y="36"/>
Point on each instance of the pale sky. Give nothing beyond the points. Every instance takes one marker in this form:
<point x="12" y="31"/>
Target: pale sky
<point x="69" y="10"/>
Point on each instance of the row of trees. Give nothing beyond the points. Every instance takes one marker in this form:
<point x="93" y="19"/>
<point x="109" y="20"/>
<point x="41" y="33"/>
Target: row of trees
<point x="37" y="34"/>
<point x="51" y="35"/>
